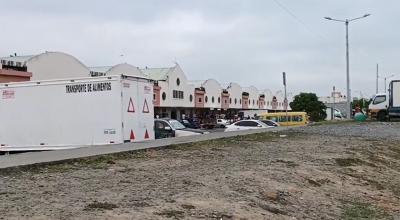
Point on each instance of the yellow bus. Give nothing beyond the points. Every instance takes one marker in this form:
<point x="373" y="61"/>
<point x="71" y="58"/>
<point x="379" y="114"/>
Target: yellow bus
<point x="293" y="118"/>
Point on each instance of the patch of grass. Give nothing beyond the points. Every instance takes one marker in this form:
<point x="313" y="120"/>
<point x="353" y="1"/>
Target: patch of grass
<point x="93" y="162"/>
<point x="225" y="142"/>
<point x="331" y="122"/>
<point x="346" y="162"/>
<point x="359" y="210"/>
<point x="105" y="161"/>
<point x="100" y="206"/>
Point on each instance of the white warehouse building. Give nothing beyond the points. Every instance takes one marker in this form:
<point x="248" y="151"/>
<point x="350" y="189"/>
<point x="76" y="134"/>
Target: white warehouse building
<point x="48" y="65"/>
<point x="235" y="94"/>
<point x="173" y="95"/>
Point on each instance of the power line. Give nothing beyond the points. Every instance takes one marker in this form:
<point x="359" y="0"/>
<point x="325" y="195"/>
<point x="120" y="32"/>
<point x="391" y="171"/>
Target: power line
<point x="284" y="8"/>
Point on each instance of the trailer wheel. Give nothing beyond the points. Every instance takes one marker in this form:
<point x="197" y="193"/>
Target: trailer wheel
<point x="381" y="116"/>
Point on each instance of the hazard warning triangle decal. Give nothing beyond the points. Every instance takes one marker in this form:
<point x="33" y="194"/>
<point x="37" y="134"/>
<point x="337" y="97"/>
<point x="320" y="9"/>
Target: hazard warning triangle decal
<point x="145" y="107"/>
<point x="131" y="107"/>
<point x="132" y="136"/>
<point x="146" y="135"/>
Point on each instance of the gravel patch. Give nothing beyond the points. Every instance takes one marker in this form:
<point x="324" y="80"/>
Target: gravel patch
<point x="370" y="130"/>
<point x="315" y="172"/>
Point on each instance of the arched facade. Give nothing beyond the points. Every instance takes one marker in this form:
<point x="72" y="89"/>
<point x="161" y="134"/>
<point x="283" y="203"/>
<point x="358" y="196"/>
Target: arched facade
<point x="174" y="87"/>
<point x="212" y="96"/>
<point x="235" y="95"/>
<point x="253" y="97"/>
<point x="268" y="99"/>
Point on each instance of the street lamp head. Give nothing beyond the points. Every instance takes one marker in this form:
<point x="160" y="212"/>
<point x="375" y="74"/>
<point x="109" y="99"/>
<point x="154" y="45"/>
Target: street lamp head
<point x="328" y="18"/>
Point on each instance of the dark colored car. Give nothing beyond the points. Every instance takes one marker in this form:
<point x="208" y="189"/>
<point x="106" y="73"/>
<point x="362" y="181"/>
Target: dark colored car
<point x="190" y="123"/>
<point x="165" y="128"/>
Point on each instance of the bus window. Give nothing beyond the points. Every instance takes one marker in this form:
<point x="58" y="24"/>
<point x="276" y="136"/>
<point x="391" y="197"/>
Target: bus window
<point x="297" y="118"/>
<point x="282" y="119"/>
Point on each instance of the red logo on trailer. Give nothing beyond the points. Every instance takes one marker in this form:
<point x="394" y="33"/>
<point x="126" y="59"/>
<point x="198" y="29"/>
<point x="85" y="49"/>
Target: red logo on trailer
<point x="145" y="107"/>
<point x="131" y="107"/>
<point x="146" y="135"/>
<point x="132" y="136"/>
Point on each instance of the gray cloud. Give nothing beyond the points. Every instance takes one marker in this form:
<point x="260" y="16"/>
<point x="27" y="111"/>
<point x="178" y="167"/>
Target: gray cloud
<point x="249" y="42"/>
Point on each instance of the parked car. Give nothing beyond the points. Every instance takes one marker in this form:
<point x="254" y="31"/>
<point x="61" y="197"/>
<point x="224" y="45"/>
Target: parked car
<point x="222" y="123"/>
<point x="190" y="123"/>
<point x="246" y="125"/>
<point x="164" y="128"/>
<point x="270" y="123"/>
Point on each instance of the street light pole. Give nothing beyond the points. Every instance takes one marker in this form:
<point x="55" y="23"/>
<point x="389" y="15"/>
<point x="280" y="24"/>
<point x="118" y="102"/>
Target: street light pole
<point x="334" y="111"/>
<point x="377" y="77"/>
<point x="348" y="72"/>
<point x="347" y="21"/>
<point x="385" y="84"/>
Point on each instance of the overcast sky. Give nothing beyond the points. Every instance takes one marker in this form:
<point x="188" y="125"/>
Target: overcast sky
<point x="246" y="41"/>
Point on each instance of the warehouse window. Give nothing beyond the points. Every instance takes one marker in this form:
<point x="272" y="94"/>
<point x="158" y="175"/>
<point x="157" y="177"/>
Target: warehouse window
<point x="206" y="99"/>
<point x="212" y="99"/>
<point x="191" y="98"/>
<point x="164" y="96"/>
<point x="177" y="94"/>
<point x="235" y="100"/>
<point x="178" y="81"/>
<point x="199" y="99"/>
<point x="230" y="100"/>
<point x="219" y="99"/>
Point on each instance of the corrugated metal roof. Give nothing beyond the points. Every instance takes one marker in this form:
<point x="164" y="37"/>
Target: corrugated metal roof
<point x="159" y="74"/>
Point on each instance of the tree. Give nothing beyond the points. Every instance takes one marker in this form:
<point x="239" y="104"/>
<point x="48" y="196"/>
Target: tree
<point x="308" y="102"/>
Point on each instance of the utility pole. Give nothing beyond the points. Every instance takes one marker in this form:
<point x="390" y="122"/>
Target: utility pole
<point x="285" y="102"/>
<point x="334" y="94"/>
<point x="348" y="72"/>
<point x="385" y="84"/>
<point x="377" y="76"/>
<point x="347" y="21"/>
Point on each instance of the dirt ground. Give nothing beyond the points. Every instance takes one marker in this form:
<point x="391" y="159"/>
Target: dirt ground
<point x="297" y="174"/>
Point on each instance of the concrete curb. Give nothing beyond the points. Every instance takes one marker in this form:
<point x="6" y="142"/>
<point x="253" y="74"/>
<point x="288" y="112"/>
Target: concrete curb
<point x="31" y="158"/>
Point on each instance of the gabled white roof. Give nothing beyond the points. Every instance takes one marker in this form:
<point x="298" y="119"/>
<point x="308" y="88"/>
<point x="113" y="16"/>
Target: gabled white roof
<point x="158" y="74"/>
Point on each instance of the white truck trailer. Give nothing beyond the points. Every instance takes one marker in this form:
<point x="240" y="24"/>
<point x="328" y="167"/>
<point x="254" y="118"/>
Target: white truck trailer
<point x="71" y="113"/>
<point x="385" y="106"/>
<point x="394" y="99"/>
